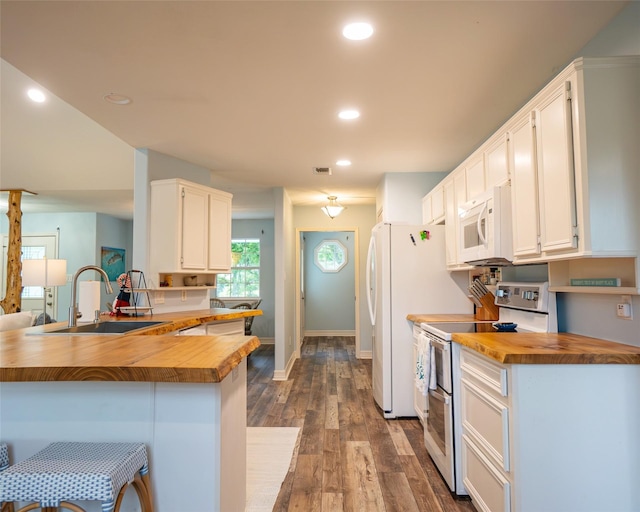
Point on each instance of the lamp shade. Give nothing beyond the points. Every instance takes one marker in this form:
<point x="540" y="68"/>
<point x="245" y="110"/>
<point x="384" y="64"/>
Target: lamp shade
<point x="44" y="272"/>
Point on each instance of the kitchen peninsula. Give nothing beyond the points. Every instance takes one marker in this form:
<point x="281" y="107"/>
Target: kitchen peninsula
<point x="183" y="396"/>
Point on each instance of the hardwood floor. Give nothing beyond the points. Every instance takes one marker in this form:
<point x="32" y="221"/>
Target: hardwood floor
<point x="349" y="457"/>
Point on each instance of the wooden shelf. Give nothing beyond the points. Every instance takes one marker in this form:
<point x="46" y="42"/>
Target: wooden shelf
<point x="626" y="269"/>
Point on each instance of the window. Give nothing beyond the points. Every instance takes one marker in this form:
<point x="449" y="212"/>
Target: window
<point x="330" y="256"/>
<point x="244" y="279"/>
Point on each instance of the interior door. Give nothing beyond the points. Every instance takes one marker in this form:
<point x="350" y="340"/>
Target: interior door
<point x="34" y="247"/>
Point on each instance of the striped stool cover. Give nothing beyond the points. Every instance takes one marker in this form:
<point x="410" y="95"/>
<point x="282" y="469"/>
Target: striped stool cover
<point x="4" y="456"/>
<point x="72" y="471"/>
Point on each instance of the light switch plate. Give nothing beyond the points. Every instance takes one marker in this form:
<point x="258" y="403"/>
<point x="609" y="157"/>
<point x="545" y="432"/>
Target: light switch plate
<point x="159" y="298"/>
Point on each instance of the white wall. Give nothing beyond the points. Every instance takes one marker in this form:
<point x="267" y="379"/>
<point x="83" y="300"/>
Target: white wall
<point x="285" y="277"/>
<point x="399" y="195"/>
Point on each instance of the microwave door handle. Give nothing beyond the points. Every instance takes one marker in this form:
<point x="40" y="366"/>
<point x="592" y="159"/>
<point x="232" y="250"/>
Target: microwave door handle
<point x="482" y="237"/>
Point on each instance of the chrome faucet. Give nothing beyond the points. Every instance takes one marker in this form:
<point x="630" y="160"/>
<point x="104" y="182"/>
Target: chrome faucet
<point x="73" y="309"/>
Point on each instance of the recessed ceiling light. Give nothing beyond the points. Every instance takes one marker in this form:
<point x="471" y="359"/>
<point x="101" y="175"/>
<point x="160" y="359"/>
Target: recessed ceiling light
<point x="343" y="163"/>
<point x="117" y="99"/>
<point x="357" y="31"/>
<point x="36" y="95"/>
<point x="349" y="114"/>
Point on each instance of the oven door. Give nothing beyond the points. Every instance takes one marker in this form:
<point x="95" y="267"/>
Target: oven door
<point x="438" y="433"/>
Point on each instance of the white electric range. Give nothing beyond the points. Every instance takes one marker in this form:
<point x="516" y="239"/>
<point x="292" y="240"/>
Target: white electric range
<point x="523" y="307"/>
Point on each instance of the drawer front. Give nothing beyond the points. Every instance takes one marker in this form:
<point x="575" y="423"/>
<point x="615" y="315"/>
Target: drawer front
<point x="222" y="328"/>
<point x="492" y="375"/>
<point x="490" y="491"/>
<point x="486" y="420"/>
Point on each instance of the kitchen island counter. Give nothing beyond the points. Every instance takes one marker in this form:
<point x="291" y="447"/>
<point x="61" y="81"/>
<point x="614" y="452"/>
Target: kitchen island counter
<point x="153" y="354"/>
<point x="184" y="396"/>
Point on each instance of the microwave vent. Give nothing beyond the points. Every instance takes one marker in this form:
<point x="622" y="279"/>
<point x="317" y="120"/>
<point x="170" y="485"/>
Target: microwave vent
<point x="326" y="171"/>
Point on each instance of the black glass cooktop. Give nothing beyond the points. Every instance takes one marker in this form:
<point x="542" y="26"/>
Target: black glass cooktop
<point x="464" y="327"/>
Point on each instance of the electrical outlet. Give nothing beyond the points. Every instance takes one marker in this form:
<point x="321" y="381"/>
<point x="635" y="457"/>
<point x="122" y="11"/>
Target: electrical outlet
<point x="184" y="295"/>
<point x="159" y="298"/>
<point x="624" y="309"/>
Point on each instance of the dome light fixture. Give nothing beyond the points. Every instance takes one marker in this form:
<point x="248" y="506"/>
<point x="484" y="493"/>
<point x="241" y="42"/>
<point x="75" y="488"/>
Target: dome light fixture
<point x="333" y="209"/>
<point x="349" y="114"/>
<point x="357" y="31"/>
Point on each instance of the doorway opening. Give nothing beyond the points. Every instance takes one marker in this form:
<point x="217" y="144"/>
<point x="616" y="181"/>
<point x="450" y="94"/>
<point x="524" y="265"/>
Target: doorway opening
<point x="327" y="283"/>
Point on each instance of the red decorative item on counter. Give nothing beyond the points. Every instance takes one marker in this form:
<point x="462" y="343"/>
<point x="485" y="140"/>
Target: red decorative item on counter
<point x="122" y="300"/>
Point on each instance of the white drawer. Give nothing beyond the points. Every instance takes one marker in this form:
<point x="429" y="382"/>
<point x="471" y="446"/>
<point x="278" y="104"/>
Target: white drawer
<point x="230" y="327"/>
<point x="490" y="491"/>
<point x="491" y="374"/>
<point x="486" y="420"/>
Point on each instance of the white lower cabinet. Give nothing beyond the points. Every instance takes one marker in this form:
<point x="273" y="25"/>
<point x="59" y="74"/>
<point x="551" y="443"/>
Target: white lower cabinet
<point x="486" y="447"/>
<point x="487" y="486"/>
<point x="550" y="437"/>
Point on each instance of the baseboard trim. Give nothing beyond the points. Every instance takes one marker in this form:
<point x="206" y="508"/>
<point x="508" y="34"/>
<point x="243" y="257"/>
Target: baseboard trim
<point x="284" y="374"/>
<point x="267" y="341"/>
<point x="365" y="354"/>
<point x="329" y="333"/>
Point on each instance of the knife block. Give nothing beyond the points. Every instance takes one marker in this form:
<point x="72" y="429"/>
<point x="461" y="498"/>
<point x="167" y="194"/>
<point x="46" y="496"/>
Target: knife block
<point x="488" y="311"/>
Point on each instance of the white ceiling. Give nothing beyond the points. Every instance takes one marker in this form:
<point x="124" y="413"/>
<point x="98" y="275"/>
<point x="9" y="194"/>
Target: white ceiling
<point x="251" y="90"/>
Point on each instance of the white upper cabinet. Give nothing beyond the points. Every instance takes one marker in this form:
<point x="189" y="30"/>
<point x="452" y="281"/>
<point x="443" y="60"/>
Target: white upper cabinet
<point x="433" y="206"/>
<point x="450" y="224"/>
<point x="496" y="161"/>
<point x="574" y="160"/>
<point x="474" y="174"/>
<point x="524" y="188"/>
<point x="219" y="231"/>
<point x="190" y="228"/>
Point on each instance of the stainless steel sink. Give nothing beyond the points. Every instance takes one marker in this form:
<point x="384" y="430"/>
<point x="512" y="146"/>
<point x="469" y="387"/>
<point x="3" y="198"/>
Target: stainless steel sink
<point x="100" y="328"/>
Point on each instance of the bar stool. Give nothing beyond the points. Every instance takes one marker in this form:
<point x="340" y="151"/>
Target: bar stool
<point x="4" y="464"/>
<point x="71" y="471"/>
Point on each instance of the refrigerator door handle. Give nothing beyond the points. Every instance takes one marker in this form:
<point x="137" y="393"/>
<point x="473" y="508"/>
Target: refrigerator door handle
<point x="372" y="305"/>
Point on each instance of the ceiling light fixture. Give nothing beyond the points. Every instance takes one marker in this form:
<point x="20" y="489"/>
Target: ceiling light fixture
<point x="36" y="95"/>
<point x="333" y="209"/>
<point x="343" y="163"/>
<point x="357" y="31"/>
<point x="116" y="99"/>
<point x="349" y="114"/>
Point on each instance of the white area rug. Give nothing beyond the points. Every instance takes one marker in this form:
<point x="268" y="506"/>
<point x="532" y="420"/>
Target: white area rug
<point x="269" y="452"/>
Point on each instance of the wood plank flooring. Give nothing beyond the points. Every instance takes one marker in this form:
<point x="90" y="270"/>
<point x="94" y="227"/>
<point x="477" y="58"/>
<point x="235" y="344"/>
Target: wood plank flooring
<point x="349" y="457"/>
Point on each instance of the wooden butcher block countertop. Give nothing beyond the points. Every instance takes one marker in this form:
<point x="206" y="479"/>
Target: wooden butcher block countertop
<point x="154" y="354"/>
<point x="548" y="348"/>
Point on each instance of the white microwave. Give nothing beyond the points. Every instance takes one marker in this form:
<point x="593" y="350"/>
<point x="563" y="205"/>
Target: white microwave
<point x="484" y="228"/>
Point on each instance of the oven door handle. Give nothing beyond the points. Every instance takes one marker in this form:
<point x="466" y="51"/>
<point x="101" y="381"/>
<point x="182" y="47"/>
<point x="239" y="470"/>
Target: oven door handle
<point x="440" y="396"/>
<point x="444" y="345"/>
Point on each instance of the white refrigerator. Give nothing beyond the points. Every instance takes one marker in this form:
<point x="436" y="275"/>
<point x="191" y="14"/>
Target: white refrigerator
<point x="406" y="273"/>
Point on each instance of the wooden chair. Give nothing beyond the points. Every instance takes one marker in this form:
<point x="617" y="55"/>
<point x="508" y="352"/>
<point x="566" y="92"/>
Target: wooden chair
<point x="71" y="471"/>
<point x="217" y="303"/>
<point x="248" y="320"/>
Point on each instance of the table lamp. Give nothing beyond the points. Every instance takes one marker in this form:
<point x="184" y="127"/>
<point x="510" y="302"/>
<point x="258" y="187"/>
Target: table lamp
<point x="45" y="273"/>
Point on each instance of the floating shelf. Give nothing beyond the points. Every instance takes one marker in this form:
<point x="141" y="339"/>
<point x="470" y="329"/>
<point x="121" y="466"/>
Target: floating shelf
<point x="626" y="269"/>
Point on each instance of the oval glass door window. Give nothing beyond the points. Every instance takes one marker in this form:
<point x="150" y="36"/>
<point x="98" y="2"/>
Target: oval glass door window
<point x="330" y="256"/>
